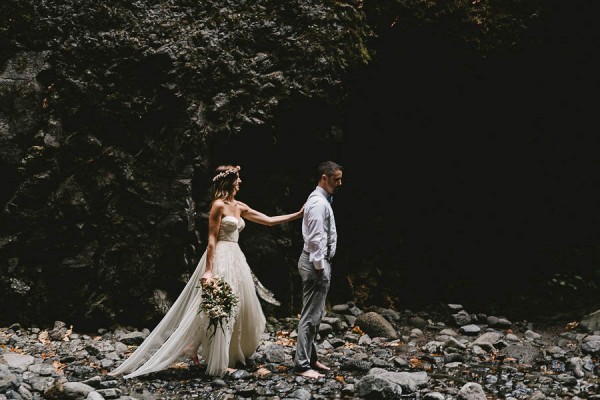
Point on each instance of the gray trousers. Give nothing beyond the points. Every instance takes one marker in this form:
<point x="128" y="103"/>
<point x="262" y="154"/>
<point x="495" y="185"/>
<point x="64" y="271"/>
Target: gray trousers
<point x="315" y="286"/>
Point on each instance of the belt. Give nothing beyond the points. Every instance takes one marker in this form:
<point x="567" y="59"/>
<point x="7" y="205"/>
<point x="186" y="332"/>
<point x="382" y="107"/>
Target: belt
<point x="306" y="253"/>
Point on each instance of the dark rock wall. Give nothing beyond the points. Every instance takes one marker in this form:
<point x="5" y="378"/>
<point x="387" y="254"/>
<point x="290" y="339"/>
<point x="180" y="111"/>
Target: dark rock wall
<point x="462" y="126"/>
<point x="112" y="118"/>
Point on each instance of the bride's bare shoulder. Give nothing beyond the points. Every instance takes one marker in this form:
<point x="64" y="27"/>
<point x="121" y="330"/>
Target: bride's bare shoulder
<point x="243" y="206"/>
<point x="217" y="206"/>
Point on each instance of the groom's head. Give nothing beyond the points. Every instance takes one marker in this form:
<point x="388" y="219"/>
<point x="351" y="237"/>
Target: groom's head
<point x="330" y="176"/>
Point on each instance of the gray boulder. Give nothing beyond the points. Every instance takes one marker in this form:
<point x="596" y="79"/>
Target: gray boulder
<point x="591" y="322"/>
<point x="374" y="325"/>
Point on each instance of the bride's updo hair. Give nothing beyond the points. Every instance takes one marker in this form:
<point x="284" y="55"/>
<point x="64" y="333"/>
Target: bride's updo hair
<point x="224" y="179"/>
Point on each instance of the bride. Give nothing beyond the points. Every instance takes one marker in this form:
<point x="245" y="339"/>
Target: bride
<point x="183" y="332"/>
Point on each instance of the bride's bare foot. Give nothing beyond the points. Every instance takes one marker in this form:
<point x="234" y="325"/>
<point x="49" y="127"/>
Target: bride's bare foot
<point x="320" y="365"/>
<point x="196" y="361"/>
<point x="231" y="370"/>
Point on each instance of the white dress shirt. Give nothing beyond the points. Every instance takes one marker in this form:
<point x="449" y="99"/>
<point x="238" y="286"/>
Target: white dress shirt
<point x="317" y="224"/>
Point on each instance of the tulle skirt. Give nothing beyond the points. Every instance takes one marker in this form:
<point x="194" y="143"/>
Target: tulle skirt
<point x="183" y="332"/>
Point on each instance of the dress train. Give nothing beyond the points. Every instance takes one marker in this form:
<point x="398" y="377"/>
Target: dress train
<point x="183" y="333"/>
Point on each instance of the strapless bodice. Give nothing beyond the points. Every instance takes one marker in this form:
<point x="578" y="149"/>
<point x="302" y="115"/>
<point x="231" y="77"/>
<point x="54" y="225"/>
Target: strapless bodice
<point x="230" y="229"/>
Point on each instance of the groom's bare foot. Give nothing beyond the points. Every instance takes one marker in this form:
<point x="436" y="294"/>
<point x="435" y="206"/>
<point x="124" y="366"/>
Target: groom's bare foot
<point x="320" y="365"/>
<point x="309" y="373"/>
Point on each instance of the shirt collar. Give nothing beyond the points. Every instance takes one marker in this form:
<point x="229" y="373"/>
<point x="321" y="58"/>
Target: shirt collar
<point x="322" y="191"/>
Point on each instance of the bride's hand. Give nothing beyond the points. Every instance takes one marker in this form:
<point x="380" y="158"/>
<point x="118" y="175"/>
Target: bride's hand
<point x="207" y="277"/>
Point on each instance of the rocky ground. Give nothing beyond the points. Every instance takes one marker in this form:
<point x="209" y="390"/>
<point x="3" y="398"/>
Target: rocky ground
<point x="374" y="354"/>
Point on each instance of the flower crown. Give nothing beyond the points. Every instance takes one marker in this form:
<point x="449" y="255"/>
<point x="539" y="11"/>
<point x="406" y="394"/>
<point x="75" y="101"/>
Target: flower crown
<point x="229" y="171"/>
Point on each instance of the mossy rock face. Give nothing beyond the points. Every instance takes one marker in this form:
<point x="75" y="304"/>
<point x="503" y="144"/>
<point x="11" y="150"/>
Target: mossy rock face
<point x="112" y="118"/>
<point x="113" y="115"/>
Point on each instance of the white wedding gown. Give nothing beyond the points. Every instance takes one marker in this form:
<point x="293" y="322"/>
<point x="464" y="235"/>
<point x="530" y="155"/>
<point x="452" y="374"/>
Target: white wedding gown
<point x="183" y="332"/>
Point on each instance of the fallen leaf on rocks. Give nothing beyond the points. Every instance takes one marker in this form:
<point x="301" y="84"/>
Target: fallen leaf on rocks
<point x="43" y="337"/>
<point x="286" y="342"/>
<point x="16" y="350"/>
<point x="357" y="330"/>
<point x="339" y="378"/>
<point x="59" y="367"/>
<point x="571" y="326"/>
<point x="180" y="365"/>
<point x="415" y="363"/>
<point x="68" y="333"/>
<point x="263" y="372"/>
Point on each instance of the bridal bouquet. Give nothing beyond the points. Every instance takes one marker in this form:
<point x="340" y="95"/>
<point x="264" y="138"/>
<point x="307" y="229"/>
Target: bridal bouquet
<point x="218" y="302"/>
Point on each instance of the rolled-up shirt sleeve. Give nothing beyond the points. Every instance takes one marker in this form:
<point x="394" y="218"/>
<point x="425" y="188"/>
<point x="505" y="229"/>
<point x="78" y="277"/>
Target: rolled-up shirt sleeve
<point x="315" y="234"/>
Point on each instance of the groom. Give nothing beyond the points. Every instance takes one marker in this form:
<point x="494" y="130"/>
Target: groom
<point x="320" y="240"/>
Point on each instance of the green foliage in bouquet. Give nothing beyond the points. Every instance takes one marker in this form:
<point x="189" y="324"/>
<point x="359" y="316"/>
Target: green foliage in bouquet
<point x="218" y="303"/>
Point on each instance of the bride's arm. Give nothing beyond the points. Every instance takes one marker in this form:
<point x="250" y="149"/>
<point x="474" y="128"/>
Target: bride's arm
<point x="256" y="216"/>
<point x="214" y="220"/>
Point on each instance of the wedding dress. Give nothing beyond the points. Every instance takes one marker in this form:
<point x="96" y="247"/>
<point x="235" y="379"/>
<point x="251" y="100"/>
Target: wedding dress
<point x="183" y="332"/>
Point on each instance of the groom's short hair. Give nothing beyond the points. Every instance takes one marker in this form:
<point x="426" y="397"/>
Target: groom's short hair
<point x="328" y="168"/>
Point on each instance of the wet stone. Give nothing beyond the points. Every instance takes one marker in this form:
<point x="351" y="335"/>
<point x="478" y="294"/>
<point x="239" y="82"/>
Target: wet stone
<point x="110" y="393"/>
